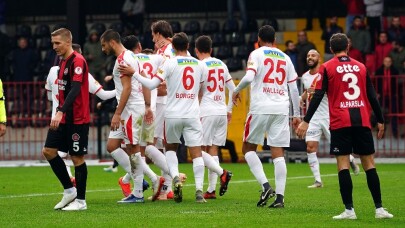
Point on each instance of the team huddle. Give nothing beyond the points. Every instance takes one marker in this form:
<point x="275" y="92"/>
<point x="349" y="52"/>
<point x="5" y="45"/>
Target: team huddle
<point x="167" y="94"/>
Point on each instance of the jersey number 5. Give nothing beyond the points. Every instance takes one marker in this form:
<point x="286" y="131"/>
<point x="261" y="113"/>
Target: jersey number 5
<point x="188" y="80"/>
<point x="213" y="79"/>
<point x="267" y="78"/>
<point x="352" y="85"/>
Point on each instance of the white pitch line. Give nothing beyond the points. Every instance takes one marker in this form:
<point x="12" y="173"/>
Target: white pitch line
<point x="116" y="189"/>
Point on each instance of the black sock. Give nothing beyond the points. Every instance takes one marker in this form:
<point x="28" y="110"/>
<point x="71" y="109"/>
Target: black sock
<point x="279" y="198"/>
<point x="115" y="164"/>
<point x="81" y="179"/>
<point x="266" y="185"/>
<point x="59" y="168"/>
<point x="346" y="188"/>
<point x="373" y="183"/>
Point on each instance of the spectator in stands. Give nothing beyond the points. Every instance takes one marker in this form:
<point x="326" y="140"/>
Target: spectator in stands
<point x="387" y="91"/>
<point x="396" y="31"/>
<point x="94" y="56"/>
<point x="327" y="33"/>
<point x="397" y="54"/>
<point x="354" y="53"/>
<point x="354" y="8"/>
<point x="132" y="15"/>
<point x="374" y="12"/>
<point x="22" y="62"/>
<point x="303" y="46"/>
<point x="4" y="50"/>
<point x="292" y="52"/>
<point x="242" y="10"/>
<point x="382" y="49"/>
<point x="360" y="36"/>
<point x="319" y="7"/>
<point x="2" y="16"/>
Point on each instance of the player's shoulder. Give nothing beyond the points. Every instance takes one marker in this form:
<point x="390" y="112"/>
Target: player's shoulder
<point x="78" y="57"/>
<point x="54" y="69"/>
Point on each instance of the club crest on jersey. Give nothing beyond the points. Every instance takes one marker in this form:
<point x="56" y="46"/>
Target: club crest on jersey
<point x="75" y="137"/>
<point x="78" y="70"/>
<point x="66" y="71"/>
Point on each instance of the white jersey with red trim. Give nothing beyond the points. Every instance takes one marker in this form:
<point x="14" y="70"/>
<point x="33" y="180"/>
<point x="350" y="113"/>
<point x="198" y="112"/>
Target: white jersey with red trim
<point x="183" y="75"/>
<point x="273" y="69"/>
<point x="309" y="81"/>
<point x="128" y="58"/>
<point x="213" y="99"/>
<point x="149" y="65"/>
<point x="167" y="52"/>
<point x="52" y="86"/>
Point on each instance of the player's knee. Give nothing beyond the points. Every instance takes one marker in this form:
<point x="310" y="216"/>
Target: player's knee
<point x="311" y="148"/>
<point x="77" y="160"/>
<point x="111" y="147"/>
<point x="49" y="153"/>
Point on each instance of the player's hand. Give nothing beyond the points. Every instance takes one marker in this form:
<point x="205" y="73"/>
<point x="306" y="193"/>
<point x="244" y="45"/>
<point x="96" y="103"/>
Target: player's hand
<point x="148" y="117"/>
<point x="302" y="104"/>
<point x="108" y="78"/>
<point x="302" y="129"/>
<point x="380" y="133"/>
<point x="229" y="117"/>
<point x="296" y="121"/>
<point x="115" y="122"/>
<point x="2" y="130"/>
<point x="56" y="120"/>
<point x="161" y="89"/>
<point x="126" y="70"/>
<point x="160" y="44"/>
<point x="235" y="98"/>
<point x="99" y="105"/>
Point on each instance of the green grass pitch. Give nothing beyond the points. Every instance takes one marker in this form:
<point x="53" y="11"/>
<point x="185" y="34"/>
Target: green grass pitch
<point x="28" y="195"/>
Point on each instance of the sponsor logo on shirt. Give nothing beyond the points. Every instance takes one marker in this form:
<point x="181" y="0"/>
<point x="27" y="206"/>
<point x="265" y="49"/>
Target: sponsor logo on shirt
<point x="213" y="63"/>
<point x="274" y="54"/>
<point x="143" y="58"/>
<point x="78" y="70"/>
<point x="347" y="68"/>
<point x="61" y="84"/>
<point x="184" y="62"/>
<point x="66" y="71"/>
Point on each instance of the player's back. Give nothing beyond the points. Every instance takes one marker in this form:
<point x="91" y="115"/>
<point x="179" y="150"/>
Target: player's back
<point x="213" y="99"/>
<point x="183" y="77"/>
<point x="269" y="91"/>
<point x="310" y="81"/>
<point x="347" y="95"/>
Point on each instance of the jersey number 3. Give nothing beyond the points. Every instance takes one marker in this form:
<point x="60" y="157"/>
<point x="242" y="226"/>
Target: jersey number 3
<point x="352" y="85"/>
<point x="267" y="78"/>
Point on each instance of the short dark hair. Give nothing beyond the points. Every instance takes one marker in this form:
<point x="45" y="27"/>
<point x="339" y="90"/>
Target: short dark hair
<point x="288" y="42"/>
<point x="338" y="42"/>
<point x="162" y="27"/>
<point x="147" y="51"/>
<point x="203" y="44"/>
<point x="109" y="35"/>
<point x="180" y="41"/>
<point x="77" y="47"/>
<point x="267" y="34"/>
<point x="63" y="32"/>
<point x="130" y="42"/>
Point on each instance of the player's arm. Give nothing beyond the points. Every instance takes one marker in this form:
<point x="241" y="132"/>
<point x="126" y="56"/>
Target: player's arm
<point x="106" y="94"/>
<point x="147" y="97"/>
<point x="246" y="80"/>
<point x="231" y="88"/>
<point x="148" y="83"/>
<point x="295" y="97"/>
<point x="304" y="97"/>
<point x="3" y="117"/>
<point x="372" y="98"/>
<point x="317" y="97"/>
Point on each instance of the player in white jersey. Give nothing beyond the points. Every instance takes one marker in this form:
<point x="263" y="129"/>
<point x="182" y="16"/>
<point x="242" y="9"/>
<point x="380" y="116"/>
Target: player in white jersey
<point x="320" y="120"/>
<point x="133" y="104"/>
<point x="271" y="75"/>
<point x="51" y="86"/>
<point x="215" y="114"/>
<point x="182" y="114"/>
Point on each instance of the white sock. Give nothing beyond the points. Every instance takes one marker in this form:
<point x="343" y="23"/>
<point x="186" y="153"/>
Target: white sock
<point x="157" y="157"/>
<point x="68" y="169"/>
<point x="314" y="165"/>
<point x="147" y="171"/>
<point x="122" y="158"/>
<point x="137" y="173"/>
<point x="256" y="167"/>
<point x="211" y="163"/>
<point x="127" y="178"/>
<point x="198" y="168"/>
<point x="212" y="177"/>
<point x="69" y="190"/>
<point x="351" y="158"/>
<point x="172" y="163"/>
<point x="167" y="185"/>
<point x="280" y="173"/>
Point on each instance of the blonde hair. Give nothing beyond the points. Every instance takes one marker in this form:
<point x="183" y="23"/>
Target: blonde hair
<point x="64" y="33"/>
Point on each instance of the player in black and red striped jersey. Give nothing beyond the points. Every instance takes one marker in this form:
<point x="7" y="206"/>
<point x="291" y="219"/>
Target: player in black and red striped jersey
<point x="69" y="127"/>
<point x="350" y="94"/>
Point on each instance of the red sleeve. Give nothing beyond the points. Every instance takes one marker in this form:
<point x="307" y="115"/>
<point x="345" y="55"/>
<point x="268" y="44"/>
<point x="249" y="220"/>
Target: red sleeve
<point x="79" y="66"/>
<point x="321" y="75"/>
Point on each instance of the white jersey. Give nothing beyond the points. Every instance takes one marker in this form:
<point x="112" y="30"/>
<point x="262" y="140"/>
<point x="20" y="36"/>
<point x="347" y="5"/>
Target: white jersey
<point x="149" y="65"/>
<point x="183" y="75"/>
<point x="128" y="58"/>
<point x="213" y="99"/>
<point x="273" y="69"/>
<point x="310" y="81"/>
<point x="52" y="86"/>
<point x="167" y="52"/>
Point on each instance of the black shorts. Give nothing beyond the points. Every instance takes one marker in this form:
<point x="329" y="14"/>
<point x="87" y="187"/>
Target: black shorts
<point x="70" y="138"/>
<point x="357" y="140"/>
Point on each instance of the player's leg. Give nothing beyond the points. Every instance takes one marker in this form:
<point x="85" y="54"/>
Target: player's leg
<point x="312" y="138"/>
<point x="78" y="142"/>
<point x="54" y="140"/>
<point x="355" y="167"/>
<point x="63" y="155"/>
<point x="252" y="136"/>
<point x="112" y="168"/>
<point x="278" y="137"/>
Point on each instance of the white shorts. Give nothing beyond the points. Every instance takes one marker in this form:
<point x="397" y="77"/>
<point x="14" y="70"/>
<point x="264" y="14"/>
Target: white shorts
<point x="131" y="125"/>
<point x="316" y="128"/>
<point x="214" y="130"/>
<point x="147" y="133"/>
<point x="275" y="126"/>
<point x="160" y="120"/>
<point x="190" y="128"/>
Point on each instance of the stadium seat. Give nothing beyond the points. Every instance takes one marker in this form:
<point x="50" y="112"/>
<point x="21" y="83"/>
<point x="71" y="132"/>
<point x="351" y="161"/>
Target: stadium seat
<point x="32" y="43"/>
<point x="252" y="38"/>
<point x="224" y="52"/>
<point x="99" y="27"/>
<point x="23" y="31"/>
<point x="237" y="39"/>
<point x="234" y="64"/>
<point x="251" y="26"/>
<point x="243" y="51"/>
<point x="192" y="27"/>
<point x="45" y="43"/>
<point x="40" y="120"/>
<point x="218" y="39"/>
<point x="58" y="26"/>
<point x="271" y="21"/>
<point x="19" y="107"/>
<point x="176" y="26"/>
<point x="38" y="106"/>
<point x="210" y="27"/>
<point x="117" y="27"/>
<point x="192" y="39"/>
<point x="230" y="26"/>
<point x="42" y="30"/>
